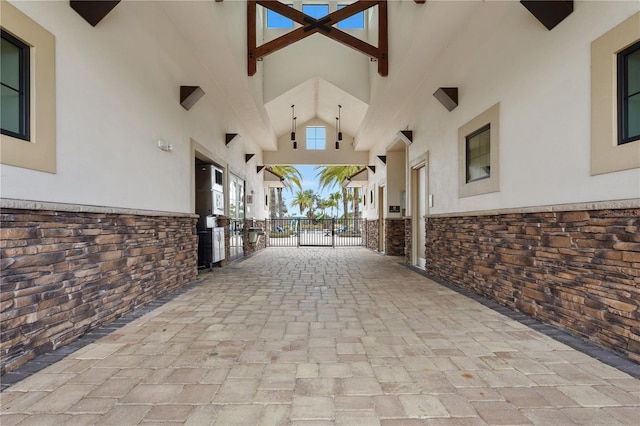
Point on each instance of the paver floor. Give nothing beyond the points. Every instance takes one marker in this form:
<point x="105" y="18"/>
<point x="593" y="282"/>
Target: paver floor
<point x="323" y="336"/>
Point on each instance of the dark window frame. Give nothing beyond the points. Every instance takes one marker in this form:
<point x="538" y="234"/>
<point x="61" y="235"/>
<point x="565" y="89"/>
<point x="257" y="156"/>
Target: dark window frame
<point x="483" y="129"/>
<point x="623" y="95"/>
<point x="23" y="90"/>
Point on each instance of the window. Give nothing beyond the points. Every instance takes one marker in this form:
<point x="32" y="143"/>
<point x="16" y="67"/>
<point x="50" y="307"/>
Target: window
<point x="353" y="22"/>
<point x="275" y="20"/>
<point x="478" y="148"/>
<point x="316" y="11"/>
<point x="28" y="92"/>
<point x="14" y="86"/>
<point x="316" y="138"/>
<point x="614" y="101"/>
<point x="629" y="94"/>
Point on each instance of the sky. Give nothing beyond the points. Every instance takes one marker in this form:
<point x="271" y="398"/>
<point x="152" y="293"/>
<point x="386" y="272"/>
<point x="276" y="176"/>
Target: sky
<point x="309" y="181"/>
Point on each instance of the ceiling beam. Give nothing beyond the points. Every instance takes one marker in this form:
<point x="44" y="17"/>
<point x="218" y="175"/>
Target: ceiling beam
<point x="324" y="25"/>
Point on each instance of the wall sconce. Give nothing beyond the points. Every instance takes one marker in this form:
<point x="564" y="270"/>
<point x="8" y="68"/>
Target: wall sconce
<point x="166" y="147"/>
<point x="549" y="13"/>
<point x="259" y="169"/>
<point x="405" y="136"/>
<point x="448" y="96"/>
<point x="189" y="95"/>
<point x="230" y="137"/>
<point x="372" y="168"/>
<point x="93" y="11"/>
<point x="248" y="157"/>
<point x="383" y="158"/>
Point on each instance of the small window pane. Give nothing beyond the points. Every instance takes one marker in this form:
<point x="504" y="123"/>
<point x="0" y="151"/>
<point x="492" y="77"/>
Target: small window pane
<point x="14" y="87"/>
<point x="316" y="138"/>
<point x="353" y="22"/>
<point x="316" y="11"/>
<point x="478" y="155"/>
<point x="275" y="20"/>
<point x="629" y="94"/>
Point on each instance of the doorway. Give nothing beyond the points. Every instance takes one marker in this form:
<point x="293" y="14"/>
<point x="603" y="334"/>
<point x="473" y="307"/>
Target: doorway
<point x="419" y="210"/>
<point x="381" y="227"/>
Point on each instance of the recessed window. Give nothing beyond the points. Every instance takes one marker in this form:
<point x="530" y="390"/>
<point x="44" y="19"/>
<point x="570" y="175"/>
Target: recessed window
<point x="478" y="154"/>
<point x="14" y="87"/>
<point x="275" y="20"/>
<point x="614" y="118"/>
<point x="28" y="92"/>
<point x="629" y="94"/>
<point x="316" y="138"/>
<point x="316" y="11"/>
<point x="354" y="22"/>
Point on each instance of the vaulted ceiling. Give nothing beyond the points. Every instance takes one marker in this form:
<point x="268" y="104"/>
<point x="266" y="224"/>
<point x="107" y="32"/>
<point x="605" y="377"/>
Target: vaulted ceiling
<point x="321" y="72"/>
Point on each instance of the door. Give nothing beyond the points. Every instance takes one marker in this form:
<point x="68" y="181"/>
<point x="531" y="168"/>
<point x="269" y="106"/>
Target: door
<point x="381" y="228"/>
<point x="421" y="211"/>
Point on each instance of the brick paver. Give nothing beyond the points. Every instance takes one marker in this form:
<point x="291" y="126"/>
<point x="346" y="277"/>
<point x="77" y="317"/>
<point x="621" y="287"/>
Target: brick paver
<point x="323" y="336"/>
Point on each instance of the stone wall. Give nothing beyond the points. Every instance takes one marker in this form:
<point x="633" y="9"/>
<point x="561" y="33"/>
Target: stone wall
<point x="262" y="239"/>
<point x="408" y="240"/>
<point x="578" y="269"/>
<point x="65" y="272"/>
<point x="372" y="234"/>
<point x="394" y="237"/>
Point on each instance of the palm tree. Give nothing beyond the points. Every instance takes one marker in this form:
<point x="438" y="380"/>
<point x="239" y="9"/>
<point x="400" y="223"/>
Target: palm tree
<point x="304" y="200"/>
<point x="330" y="176"/>
<point x="334" y="199"/>
<point x="292" y="178"/>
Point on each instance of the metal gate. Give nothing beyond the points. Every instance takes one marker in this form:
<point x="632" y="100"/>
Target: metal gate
<point x="316" y="232"/>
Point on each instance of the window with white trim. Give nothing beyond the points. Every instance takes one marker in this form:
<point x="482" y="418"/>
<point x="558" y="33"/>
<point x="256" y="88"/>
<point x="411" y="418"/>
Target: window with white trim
<point x="316" y="138"/>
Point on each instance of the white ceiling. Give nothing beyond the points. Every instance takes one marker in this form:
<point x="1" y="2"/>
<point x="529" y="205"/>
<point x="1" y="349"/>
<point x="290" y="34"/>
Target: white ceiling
<point x="216" y="32"/>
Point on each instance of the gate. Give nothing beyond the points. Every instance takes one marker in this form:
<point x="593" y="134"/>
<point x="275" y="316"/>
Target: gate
<point x="316" y="232"/>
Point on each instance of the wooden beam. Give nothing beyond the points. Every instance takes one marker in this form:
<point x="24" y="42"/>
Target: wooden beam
<point x="324" y="25"/>
<point x="383" y="39"/>
<point x="93" y="11"/>
<point x="549" y="12"/>
<point x="252" y="64"/>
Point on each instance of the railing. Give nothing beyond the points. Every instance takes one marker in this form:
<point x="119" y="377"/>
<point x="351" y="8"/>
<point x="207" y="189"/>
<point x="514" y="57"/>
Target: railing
<point x="298" y="232"/>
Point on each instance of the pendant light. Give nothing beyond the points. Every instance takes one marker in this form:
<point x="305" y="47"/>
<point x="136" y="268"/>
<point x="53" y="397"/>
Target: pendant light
<point x="337" y="141"/>
<point x="338" y="132"/>
<point x="293" y="128"/>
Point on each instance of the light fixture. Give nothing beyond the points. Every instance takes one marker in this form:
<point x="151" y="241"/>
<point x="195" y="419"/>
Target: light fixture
<point x="338" y="132"/>
<point x="339" y="122"/>
<point x="293" y="127"/>
<point x="230" y="137"/>
<point x="189" y="95"/>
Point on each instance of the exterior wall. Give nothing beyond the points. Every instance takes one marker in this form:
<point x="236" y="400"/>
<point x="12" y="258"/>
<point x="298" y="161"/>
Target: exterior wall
<point x="394" y="238"/>
<point x="117" y="93"/>
<point x="68" y="269"/>
<point x="578" y="269"/>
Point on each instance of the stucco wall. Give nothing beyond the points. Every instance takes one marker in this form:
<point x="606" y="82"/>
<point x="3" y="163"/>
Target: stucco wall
<point x="117" y="90"/>
<point x="541" y="79"/>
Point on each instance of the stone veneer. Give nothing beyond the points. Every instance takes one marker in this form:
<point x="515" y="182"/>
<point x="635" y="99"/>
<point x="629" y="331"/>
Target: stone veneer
<point x="578" y="268"/>
<point x="408" y="240"/>
<point x="68" y="269"/>
<point x="262" y="239"/>
<point x="394" y="237"/>
<point x="372" y="234"/>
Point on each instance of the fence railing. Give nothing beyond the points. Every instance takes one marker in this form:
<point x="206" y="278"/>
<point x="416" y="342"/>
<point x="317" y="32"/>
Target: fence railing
<point x="299" y="232"/>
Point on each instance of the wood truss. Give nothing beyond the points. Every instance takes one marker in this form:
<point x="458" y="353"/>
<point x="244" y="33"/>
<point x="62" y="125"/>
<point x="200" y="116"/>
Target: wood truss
<point x="324" y="25"/>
